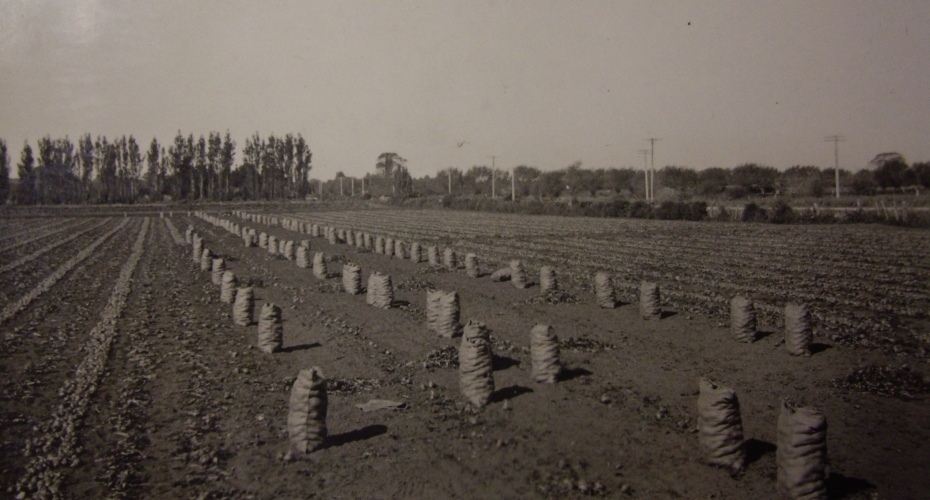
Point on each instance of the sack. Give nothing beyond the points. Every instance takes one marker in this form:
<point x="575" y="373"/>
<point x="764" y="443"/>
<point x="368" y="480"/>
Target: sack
<point x="302" y="257"/>
<point x="798" y="333"/>
<point x="368" y="241"/>
<point x="219" y="267"/>
<point x="471" y="265"/>
<point x="720" y="427"/>
<point x="649" y="301"/>
<point x="228" y="287"/>
<point x="319" y="266"/>
<point x="448" y="259"/>
<point x="188" y="234"/>
<point x="273" y="248"/>
<point x="547" y="280"/>
<point x="379" y="245"/>
<point x="270" y="329"/>
<point x="743" y="319"/>
<point x="604" y="289"/>
<point x="305" y="244"/>
<point x="351" y="279"/>
<point x="416" y="253"/>
<point x="315" y="231"/>
<point x="243" y="307"/>
<point x="432" y="308"/>
<point x="380" y="291"/>
<point x="331" y="236"/>
<point x="206" y="260"/>
<point x="289" y="250"/>
<point x="476" y="376"/>
<point x="433" y="254"/>
<point x="399" y="251"/>
<point x="306" y="414"/>
<point x="801" y="455"/>
<point x="544" y="352"/>
<point x="389" y="247"/>
<point x="517" y="274"/>
<point x="197" y="247"/>
<point x="349" y="237"/>
<point x="446" y="314"/>
<point x="501" y="274"/>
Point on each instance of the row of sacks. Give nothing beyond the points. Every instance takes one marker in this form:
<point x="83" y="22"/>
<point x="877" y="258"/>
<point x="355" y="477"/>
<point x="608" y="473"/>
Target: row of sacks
<point x="801" y="447"/>
<point x="798" y="331"/>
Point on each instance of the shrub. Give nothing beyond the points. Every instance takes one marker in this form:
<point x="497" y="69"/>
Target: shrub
<point x="753" y="213"/>
<point x="641" y="210"/>
<point x="782" y="213"/>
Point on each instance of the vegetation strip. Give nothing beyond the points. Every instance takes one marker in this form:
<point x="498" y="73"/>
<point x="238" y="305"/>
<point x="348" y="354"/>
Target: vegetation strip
<point x="13" y="308"/>
<point x="55" y="447"/>
<point x="175" y="235"/>
<point x="45" y="232"/>
<point x="38" y="253"/>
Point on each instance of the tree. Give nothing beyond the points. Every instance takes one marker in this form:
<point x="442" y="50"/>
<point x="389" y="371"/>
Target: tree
<point x="755" y="178"/>
<point x="387" y="162"/>
<point x="890" y="169"/>
<point x="4" y="173"/>
<point x="86" y="160"/>
<point x="922" y="174"/>
<point x="226" y="161"/>
<point x="155" y="172"/>
<point x="713" y="181"/>
<point x="25" y="192"/>
<point x="863" y="182"/>
<point x="401" y="182"/>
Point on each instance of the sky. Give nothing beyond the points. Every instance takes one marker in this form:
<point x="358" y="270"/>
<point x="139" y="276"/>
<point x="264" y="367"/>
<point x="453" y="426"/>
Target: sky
<point x="537" y="82"/>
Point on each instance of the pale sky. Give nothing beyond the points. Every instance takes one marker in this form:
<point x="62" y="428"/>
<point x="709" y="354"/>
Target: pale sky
<point x="541" y="83"/>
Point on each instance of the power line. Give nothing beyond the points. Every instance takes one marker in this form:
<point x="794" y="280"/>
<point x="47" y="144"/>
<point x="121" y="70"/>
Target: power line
<point x="836" y="140"/>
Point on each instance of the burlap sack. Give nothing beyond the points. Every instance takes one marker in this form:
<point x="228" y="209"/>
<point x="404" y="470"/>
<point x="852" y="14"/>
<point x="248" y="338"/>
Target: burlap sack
<point x="379" y="245"/>
<point x="196" y="247"/>
<point x="476" y="377"/>
<point x="369" y="241"/>
<point x="448" y="259"/>
<point x="801" y="455"/>
<point x="351" y="279"/>
<point x="389" y="246"/>
<point x="263" y="240"/>
<point x="302" y="257"/>
<point x="289" y="250"/>
<point x="432" y="308"/>
<point x="720" y="427"/>
<point x="331" y="236"/>
<point x="432" y="253"/>
<point x="798" y="333"/>
<point x="253" y="238"/>
<point x="319" y="266"/>
<point x="246" y="239"/>
<point x="306" y="415"/>
<point x="416" y="253"/>
<point x="517" y="274"/>
<point x="270" y="329"/>
<point x="544" y="352"/>
<point x="206" y="260"/>
<point x="273" y="245"/>
<point x="380" y="291"/>
<point x="547" y="280"/>
<point x="649" y="300"/>
<point x="188" y="233"/>
<point x="228" y="287"/>
<point x="471" y="265"/>
<point x="501" y="274"/>
<point x="315" y="231"/>
<point x="604" y="289"/>
<point x="350" y="237"/>
<point x="305" y="244"/>
<point x="400" y="250"/>
<point x="218" y="267"/>
<point x="743" y="319"/>
<point x="447" y="314"/>
<point x="244" y="306"/>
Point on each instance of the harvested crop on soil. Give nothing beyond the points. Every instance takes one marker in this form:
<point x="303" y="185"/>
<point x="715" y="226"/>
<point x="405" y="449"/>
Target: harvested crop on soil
<point x="351" y="279"/>
<point x="244" y="306"/>
<point x="389" y="247"/>
<point x="302" y="257"/>
<point x="544" y="352"/>
<point x="352" y="386"/>
<point x="42" y="251"/>
<point x="228" y="287"/>
<point x="476" y="377"/>
<point x="379" y="245"/>
<point x="585" y="344"/>
<point x="270" y="329"/>
<point x="743" y="319"/>
<point x="553" y="297"/>
<point x="414" y="283"/>
<point x="649" y="307"/>
<point x="306" y="416"/>
<point x="319" y="266"/>
<point x="173" y="231"/>
<point x="289" y="250"/>
<point x="449" y="260"/>
<point x="273" y="245"/>
<point x="604" y="290"/>
<point x="263" y="240"/>
<point x="900" y="382"/>
<point x="206" y="260"/>
<point x="380" y="290"/>
<point x="443" y="358"/>
<point x="798" y="333"/>
<point x="400" y="250"/>
<point x="720" y="427"/>
<point x="801" y="453"/>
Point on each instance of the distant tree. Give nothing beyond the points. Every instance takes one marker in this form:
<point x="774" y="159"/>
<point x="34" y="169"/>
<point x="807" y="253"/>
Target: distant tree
<point x="801" y="180"/>
<point x="154" y="169"/>
<point x="755" y="178"/>
<point x="863" y="182"/>
<point x="922" y="174"/>
<point x="524" y="178"/>
<point x="302" y="165"/>
<point x="890" y="170"/>
<point x="402" y="183"/>
<point x="25" y="192"/>
<point x="4" y="173"/>
<point x="86" y="160"/>
<point x="713" y="181"/>
<point x="684" y="180"/>
<point x="226" y="161"/>
<point x="387" y="162"/>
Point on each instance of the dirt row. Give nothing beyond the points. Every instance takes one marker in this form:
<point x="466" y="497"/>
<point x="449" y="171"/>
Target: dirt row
<point x="42" y="345"/>
<point x="635" y="401"/>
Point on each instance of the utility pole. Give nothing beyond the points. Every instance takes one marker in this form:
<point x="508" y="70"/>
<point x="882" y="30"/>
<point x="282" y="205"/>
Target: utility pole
<point x="321" y="189"/>
<point x="652" y="167"/>
<point x="645" y="153"/>
<point x="363" y="186"/>
<point x="493" y="192"/>
<point x="353" y="187"/>
<point x="513" y="185"/>
<point x="340" y="185"/>
<point x="450" y="180"/>
<point x="836" y="140"/>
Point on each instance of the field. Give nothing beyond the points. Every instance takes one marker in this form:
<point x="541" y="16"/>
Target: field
<point x="123" y="375"/>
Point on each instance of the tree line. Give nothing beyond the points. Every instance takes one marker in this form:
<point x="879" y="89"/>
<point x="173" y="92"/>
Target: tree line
<point x="106" y="170"/>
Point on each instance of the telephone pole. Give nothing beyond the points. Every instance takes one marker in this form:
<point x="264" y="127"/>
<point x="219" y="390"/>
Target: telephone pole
<point x="493" y="191"/>
<point x="652" y="167"/>
<point x="513" y="185"/>
<point x="836" y="140"/>
<point x="645" y="153"/>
